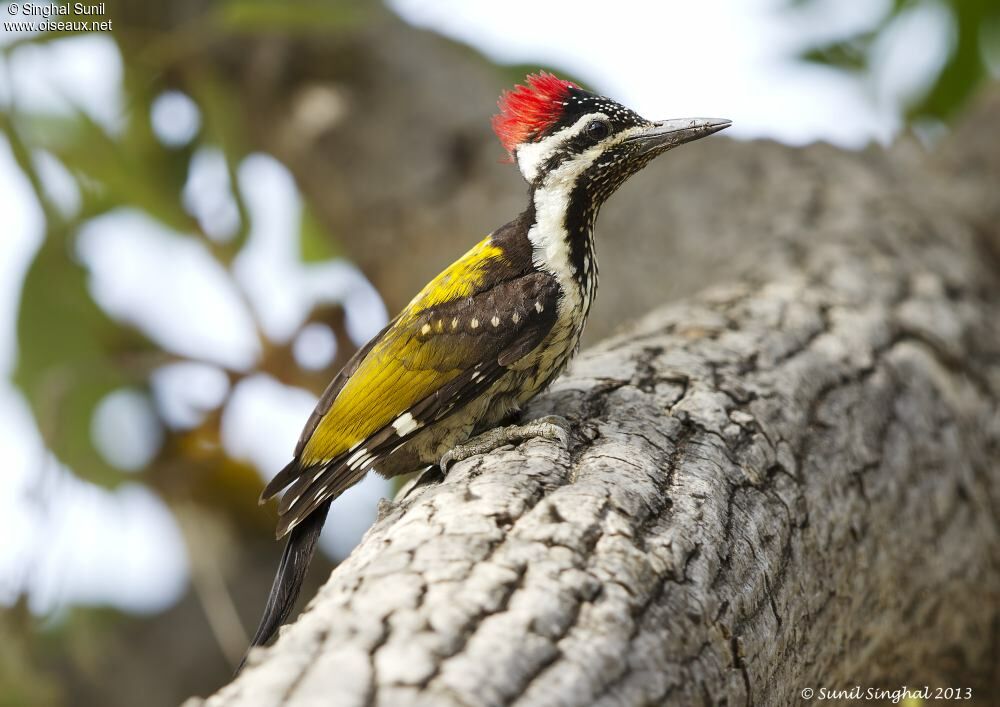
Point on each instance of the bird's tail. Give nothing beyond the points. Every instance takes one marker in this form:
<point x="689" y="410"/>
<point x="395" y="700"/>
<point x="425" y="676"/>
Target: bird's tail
<point x="295" y="560"/>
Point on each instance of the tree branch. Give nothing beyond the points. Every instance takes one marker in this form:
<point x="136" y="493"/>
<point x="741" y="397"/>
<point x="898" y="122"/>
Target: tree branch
<point x="785" y="483"/>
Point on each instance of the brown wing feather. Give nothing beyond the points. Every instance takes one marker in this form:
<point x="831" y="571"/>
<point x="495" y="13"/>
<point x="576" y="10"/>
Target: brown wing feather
<point x="478" y="355"/>
<point x="293" y="469"/>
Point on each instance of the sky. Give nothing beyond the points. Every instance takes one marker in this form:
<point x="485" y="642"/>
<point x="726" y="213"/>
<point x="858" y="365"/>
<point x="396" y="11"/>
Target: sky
<point x="668" y="59"/>
<point x="676" y="59"/>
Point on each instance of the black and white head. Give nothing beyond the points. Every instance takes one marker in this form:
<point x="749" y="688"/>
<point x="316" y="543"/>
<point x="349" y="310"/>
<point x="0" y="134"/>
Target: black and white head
<point x="561" y="135"/>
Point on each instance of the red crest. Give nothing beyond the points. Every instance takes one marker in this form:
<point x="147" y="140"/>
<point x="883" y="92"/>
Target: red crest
<point x="529" y="109"/>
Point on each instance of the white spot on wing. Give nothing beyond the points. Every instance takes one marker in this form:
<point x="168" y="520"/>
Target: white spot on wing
<point x="357" y="455"/>
<point x="405" y="424"/>
<point x="357" y="459"/>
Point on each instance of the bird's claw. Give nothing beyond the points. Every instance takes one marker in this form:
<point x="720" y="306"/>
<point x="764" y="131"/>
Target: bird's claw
<point x="551" y="427"/>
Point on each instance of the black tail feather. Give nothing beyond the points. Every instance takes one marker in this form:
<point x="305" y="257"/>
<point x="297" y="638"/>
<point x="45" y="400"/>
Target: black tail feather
<point x="295" y="560"/>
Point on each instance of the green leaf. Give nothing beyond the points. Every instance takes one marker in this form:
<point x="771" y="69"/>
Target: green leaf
<point x="315" y="243"/>
<point x="963" y="73"/>
<point x="223" y="125"/>
<point x="133" y="171"/>
<point x="851" y="54"/>
<point x="70" y="355"/>
<point x="966" y="69"/>
<point x="303" y="16"/>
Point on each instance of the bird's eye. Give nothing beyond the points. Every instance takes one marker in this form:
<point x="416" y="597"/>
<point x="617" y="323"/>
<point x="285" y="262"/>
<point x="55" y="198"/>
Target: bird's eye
<point x="598" y="129"/>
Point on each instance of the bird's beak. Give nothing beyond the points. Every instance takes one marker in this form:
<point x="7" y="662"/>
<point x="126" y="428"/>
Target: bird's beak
<point x="666" y="134"/>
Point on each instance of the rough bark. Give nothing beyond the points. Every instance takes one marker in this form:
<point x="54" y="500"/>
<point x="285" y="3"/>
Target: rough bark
<point x="788" y="482"/>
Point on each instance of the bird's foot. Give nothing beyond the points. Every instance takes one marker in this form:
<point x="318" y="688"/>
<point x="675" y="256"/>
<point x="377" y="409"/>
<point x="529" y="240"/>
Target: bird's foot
<point x="549" y="427"/>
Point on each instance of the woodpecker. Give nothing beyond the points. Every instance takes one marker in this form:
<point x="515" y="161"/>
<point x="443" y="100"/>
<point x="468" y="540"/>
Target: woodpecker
<point x="487" y="334"/>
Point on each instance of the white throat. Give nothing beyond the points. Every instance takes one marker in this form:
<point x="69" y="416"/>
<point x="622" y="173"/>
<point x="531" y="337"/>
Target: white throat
<point x="550" y="239"/>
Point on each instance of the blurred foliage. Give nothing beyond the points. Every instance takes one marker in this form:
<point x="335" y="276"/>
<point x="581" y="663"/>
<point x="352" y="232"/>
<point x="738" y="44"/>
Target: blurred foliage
<point x="311" y="16"/>
<point x="974" y="45"/>
<point x="71" y="354"/>
<point x="314" y="241"/>
<point x="22" y="682"/>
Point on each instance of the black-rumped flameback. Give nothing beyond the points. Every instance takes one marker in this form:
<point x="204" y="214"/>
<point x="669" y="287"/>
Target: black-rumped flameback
<point x="487" y="334"/>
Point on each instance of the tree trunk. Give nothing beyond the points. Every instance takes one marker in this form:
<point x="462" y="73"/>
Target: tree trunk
<point x="785" y="483"/>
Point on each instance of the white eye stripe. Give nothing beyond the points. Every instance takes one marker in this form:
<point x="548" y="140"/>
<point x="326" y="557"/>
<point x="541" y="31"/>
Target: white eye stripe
<point x="531" y="156"/>
<point x="556" y="150"/>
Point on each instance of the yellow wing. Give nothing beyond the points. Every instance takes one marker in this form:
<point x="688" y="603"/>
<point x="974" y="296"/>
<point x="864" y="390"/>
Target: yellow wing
<point x="400" y="369"/>
<point x="430" y="362"/>
<point x="445" y="349"/>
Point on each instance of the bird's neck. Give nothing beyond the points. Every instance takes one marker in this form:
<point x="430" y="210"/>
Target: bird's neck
<point x="562" y="238"/>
